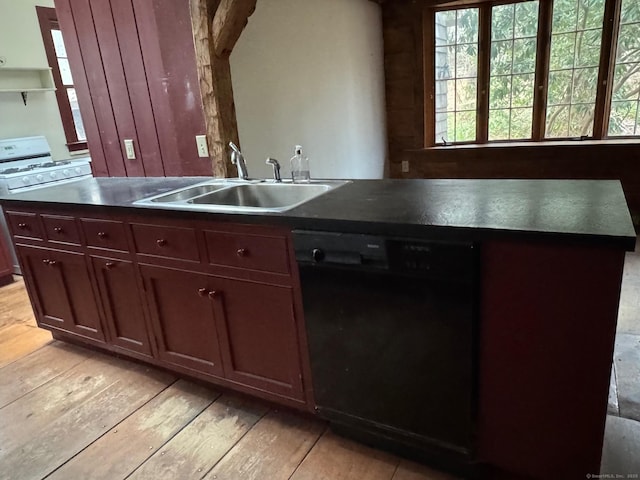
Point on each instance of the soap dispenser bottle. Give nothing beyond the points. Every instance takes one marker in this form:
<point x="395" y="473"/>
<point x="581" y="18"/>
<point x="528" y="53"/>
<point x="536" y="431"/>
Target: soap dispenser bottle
<point x="300" y="167"/>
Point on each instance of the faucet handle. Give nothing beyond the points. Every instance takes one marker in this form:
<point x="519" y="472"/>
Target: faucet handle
<point x="276" y="168"/>
<point x="235" y="148"/>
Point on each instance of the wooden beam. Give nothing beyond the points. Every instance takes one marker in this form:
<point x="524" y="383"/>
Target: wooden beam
<point x="229" y="21"/>
<point x="217" y="25"/>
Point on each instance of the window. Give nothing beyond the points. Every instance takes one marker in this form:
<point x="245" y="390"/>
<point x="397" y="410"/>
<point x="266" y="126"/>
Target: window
<point x="65" y="90"/>
<point x="532" y="70"/>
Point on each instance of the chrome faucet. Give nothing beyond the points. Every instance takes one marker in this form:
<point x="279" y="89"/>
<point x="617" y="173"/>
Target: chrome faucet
<point x="276" y="169"/>
<point x="238" y="160"/>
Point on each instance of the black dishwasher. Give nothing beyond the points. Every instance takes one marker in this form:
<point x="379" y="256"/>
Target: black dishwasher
<point x="391" y="331"/>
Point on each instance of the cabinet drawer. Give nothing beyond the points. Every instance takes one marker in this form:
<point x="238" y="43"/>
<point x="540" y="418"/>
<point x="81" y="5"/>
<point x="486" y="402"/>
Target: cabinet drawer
<point x="255" y="252"/>
<point x="106" y="234"/>
<point x="25" y="225"/>
<point x="61" y="229"/>
<point x="171" y="242"/>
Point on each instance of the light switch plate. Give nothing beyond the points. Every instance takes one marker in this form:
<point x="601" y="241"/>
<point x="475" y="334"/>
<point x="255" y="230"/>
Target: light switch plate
<point x="201" y="142"/>
<point x="405" y="166"/>
<point x="128" y="147"/>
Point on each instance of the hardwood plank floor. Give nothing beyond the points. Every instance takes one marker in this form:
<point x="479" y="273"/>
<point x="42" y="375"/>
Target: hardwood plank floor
<point x="67" y="412"/>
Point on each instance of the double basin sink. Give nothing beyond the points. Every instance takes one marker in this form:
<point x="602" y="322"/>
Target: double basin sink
<point x="243" y="196"/>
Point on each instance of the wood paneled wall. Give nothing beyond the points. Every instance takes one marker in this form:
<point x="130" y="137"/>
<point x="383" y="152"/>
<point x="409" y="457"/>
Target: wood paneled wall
<point x="403" y="60"/>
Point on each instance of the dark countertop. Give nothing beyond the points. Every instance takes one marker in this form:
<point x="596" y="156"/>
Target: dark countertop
<point x="577" y="211"/>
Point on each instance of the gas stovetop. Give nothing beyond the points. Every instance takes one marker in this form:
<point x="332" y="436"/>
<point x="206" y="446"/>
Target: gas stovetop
<point x="26" y="163"/>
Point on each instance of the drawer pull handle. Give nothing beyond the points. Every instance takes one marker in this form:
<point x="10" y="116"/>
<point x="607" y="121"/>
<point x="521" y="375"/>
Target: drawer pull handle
<point x="203" y="292"/>
<point x="52" y="263"/>
<point x="161" y="242"/>
<point x="109" y="265"/>
<point x="57" y="229"/>
<point x="102" y="235"/>
<point x="242" y="252"/>
<point x="45" y="261"/>
<point x="213" y="294"/>
<point x="23" y="226"/>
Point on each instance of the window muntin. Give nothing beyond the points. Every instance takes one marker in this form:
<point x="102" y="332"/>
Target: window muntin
<point x="576" y="36"/>
<point x="456" y="75"/>
<point x="625" y="94"/>
<point x="514" y="30"/>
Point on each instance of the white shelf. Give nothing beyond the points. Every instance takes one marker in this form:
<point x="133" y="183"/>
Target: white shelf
<point x="24" y="80"/>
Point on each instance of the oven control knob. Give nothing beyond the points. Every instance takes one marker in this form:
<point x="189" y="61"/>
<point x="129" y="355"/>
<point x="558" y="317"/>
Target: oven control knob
<point x="40" y="177"/>
<point x="53" y="174"/>
<point x="25" y="180"/>
<point x="66" y="172"/>
<point x="317" y="255"/>
<point x="78" y="170"/>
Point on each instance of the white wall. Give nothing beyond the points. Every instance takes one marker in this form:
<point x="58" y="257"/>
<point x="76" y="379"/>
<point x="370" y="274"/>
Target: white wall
<point x="21" y="45"/>
<point x="311" y="72"/>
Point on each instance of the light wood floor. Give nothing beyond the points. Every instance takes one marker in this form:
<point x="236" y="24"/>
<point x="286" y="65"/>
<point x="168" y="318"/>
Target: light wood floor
<point x="71" y="413"/>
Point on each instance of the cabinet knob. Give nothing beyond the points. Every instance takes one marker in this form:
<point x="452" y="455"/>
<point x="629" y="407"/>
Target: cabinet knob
<point x="109" y="265"/>
<point x="57" y="229"/>
<point x="213" y="294"/>
<point x="161" y="242"/>
<point x="22" y="226"/>
<point x="102" y="235"/>
<point x="203" y="292"/>
<point x="242" y="252"/>
<point x="52" y="263"/>
<point x="45" y="261"/>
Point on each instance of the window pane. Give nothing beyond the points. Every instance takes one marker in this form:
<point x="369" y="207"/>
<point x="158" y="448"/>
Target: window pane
<point x="623" y="118"/>
<point x="562" y="51"/>
<point x="499" y="124"/>
<point x="513" y="60"/>
<point x="467" y="25"/>
<point x="465" y="126"/>
<point x="581" y="120"/>
<point x="75" y="111"/>
<point x="467" y="61"/>
<point x="502" y="22"/>
<point x="501" y="57"/>
<point x="558" y="121"/>
<point x="524" y="13"/>
<point x="524" y="58"/>
<point x="576" y="35"/>
<point x="58" y="44"/>
<point x="521" y="123"/>
<point x="522" y="90"/>
<point x="65" y="71"/>
<point x="626" y="79"/>
<point x="500" y="92"/>
<point x="560" y="87"/>
<point x="456" y="72"/>
<point x="466" y="94"/>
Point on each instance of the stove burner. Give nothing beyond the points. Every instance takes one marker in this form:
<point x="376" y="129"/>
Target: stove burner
<point x="33" y="166"/>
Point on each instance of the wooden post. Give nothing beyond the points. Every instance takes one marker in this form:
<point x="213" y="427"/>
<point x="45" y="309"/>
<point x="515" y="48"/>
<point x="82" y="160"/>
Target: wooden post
<point x="217" y="25"/>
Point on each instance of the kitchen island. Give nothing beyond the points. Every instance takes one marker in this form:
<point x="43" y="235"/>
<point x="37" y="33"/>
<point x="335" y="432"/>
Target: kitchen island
<point x="117" y="275"/>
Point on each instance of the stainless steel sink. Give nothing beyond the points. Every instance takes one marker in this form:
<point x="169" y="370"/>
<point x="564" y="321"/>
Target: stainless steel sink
<point x="231" y="196"/>
<point x="188" y="193"/>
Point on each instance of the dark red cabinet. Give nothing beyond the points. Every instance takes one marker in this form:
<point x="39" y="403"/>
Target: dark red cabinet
<point x="6" y="267"/>
<point x="216" y="301"/>
<point x="61" y="289"/>
<point x="185" y="308"/>
<point x="122" y="304"/>
<point x="260" y="331"/>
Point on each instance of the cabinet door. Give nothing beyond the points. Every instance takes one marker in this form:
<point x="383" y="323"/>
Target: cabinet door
<point x="185" y="308"/>
<point x="261" y="347"/>
<point x="60" y="286"/>
<point x="122" y="304"/>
